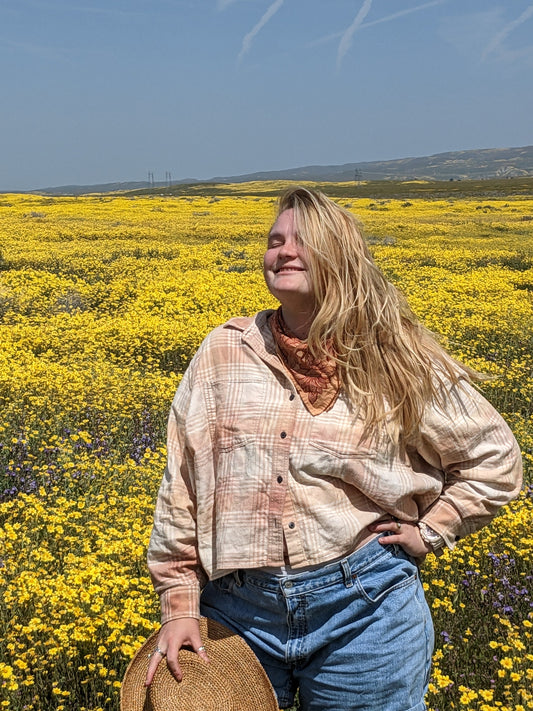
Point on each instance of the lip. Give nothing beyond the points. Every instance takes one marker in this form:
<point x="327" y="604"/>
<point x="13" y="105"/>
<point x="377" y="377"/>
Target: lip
<point x="288" y="270"/>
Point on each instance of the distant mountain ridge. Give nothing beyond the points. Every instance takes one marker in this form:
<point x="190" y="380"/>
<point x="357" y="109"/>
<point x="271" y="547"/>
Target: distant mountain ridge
<point x="455" y="165"/>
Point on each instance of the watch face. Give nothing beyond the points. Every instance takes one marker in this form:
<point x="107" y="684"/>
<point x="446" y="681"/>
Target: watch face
<point x="431" y="537"/>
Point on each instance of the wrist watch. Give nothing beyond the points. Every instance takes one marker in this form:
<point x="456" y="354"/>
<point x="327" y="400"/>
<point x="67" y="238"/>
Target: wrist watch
<point x="431" y="537"/>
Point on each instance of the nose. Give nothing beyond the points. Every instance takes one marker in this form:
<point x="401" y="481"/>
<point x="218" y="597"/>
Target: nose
<point x="288" y="248"/>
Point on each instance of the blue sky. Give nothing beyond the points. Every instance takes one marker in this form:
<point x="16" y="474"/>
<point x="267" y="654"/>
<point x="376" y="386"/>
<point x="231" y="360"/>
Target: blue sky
<point x="107" y="90"/>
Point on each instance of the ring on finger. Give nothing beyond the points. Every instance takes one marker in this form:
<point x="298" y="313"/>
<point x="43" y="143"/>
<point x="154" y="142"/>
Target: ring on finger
<point x="398" y="524"/>
<point x="157" y="650"/>
<point x="201" y="649"/>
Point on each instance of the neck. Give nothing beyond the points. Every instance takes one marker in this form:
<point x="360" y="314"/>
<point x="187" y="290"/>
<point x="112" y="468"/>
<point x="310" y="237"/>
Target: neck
<point x="298" y="322"/>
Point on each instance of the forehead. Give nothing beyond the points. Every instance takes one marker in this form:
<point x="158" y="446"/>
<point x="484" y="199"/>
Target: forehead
<point x="284" y="223"/>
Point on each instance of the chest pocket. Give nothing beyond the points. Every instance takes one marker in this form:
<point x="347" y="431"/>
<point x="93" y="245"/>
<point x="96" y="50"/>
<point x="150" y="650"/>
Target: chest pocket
<point x="337" y="447"/>
<point x="238" y="406"/>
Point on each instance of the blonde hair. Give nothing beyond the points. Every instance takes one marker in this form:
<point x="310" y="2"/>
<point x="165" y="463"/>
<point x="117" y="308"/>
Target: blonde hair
<point x="389" y="364"/>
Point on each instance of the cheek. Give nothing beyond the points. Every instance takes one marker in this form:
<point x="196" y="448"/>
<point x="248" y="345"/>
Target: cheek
<point x="266" y="271"/>
<point x="268" y="261"/>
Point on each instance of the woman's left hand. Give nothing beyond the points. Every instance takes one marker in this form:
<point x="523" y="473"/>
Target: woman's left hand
<point x="405" y="534"/>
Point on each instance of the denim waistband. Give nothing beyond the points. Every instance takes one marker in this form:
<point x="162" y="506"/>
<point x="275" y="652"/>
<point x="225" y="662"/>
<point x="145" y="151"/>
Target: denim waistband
<point x="345" y="569"/>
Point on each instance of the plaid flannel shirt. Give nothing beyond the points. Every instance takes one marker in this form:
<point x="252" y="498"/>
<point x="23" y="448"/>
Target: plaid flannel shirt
<point x="249" y="468"/>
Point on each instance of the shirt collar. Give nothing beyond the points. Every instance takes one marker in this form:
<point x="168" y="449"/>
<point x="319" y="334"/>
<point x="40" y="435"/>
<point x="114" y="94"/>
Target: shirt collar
<point x="256" y="333"/>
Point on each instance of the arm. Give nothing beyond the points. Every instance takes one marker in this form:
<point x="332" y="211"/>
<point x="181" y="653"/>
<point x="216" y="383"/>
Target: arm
<point x="472" y="444"/>
<point x="173" y="559"/>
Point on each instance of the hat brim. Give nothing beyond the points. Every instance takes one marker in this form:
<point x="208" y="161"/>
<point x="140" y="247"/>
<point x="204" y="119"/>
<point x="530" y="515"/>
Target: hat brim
<point x="232" y="681"/>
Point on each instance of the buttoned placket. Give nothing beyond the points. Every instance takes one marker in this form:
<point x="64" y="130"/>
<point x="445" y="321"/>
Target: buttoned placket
<point x="291" y="529"/>
<point x="279" y="485"/>
<point x="281" y="516"/>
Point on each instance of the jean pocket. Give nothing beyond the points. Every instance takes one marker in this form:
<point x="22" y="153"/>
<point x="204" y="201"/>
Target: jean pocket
<point x="387" y="573"/>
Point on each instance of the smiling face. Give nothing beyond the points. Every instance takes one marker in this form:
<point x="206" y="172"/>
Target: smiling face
<point x="285" y="266"/>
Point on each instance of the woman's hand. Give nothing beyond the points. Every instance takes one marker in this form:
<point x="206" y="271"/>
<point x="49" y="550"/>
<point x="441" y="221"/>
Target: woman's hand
<point x="172" y="637"/>
<point x="405" y="534"/>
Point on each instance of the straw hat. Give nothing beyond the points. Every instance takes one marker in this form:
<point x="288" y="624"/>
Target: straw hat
<point x="234" y="680"/>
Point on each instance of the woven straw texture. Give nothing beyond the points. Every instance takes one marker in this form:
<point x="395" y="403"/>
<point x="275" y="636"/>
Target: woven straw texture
<point x="234" y="680"/>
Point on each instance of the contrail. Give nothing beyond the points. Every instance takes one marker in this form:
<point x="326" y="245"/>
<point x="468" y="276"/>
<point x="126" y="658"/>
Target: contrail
<point x="248" y="38"/>
<point x="387" y="18"/>
<point x="501" y="36"/>
<point x="346" y="39"/>
<point x="401" y="13"/>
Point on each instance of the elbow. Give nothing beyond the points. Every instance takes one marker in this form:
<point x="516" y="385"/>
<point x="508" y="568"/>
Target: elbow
<point x="516" y="471"/>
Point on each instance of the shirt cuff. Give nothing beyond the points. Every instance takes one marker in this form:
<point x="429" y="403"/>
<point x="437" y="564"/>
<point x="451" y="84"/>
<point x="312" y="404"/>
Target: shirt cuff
<point x="180" y="602"/>
<point x="444" y="519"/>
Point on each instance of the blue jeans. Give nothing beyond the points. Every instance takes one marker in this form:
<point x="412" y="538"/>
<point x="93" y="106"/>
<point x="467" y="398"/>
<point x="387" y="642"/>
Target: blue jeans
<point x="352" y="635"/>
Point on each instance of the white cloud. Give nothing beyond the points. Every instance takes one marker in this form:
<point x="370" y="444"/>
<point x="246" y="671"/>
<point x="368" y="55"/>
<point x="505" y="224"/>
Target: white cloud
<point x="387" y="18"/>
<point x="346" y="39"/>
<point x="498" y="40"/>
<point x="479" y="36"/>
<point x="470" y="32"/>
<point x="401" y="13"/>
<point x="250" y="36"/>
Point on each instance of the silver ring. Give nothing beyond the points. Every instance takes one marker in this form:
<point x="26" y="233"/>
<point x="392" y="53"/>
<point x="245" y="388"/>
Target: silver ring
<point x="157" y="650"/>
<point x="160" y="651"/>
<point x="398" y="524"/>
<point x="201" y="649"/>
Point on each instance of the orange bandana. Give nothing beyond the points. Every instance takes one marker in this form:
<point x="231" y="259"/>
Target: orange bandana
<point x="316" y="381"/>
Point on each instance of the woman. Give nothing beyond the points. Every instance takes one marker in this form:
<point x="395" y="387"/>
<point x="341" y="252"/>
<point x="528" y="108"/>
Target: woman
<point x="315" y="455"/>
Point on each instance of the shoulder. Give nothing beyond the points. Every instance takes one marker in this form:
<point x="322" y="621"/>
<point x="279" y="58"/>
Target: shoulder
<point x="236" y="330"/>
<point x="460" y="398"/>
<point x="230" y="342"/>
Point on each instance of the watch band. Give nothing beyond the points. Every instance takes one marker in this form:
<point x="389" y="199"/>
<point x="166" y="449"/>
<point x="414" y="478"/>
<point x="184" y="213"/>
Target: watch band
<point x="431" y="537"/>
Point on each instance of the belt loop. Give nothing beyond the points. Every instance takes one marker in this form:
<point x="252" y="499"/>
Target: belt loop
<point x="238" y="577"/>
<point x="347" y="573"/>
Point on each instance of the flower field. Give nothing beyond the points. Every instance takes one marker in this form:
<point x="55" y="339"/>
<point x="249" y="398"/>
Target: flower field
<point x="103" y="301"/>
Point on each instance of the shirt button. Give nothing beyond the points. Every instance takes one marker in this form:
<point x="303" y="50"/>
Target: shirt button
<point x="283" y="435"/>
<point x="291" y="396"/>
<point x="280" y="479"/>
<point x="292" y="524"/>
